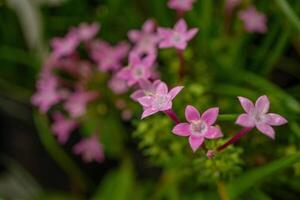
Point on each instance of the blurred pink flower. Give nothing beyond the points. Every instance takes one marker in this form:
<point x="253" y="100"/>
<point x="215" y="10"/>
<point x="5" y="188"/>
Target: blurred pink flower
<point x="86" y="31"/>
<point x="254" y="21"/>
<point x="177" y="37"/>
<point x="62" y="127"/>
<point x="138" y="69"/>
<point x="257" y="116"/>
<point x="47" y="93"/>
<point x="107" y="57"/>
<point x="65" y="46"/>
<point x="145" y="40"/>
<point x="118" y="85"/>
<point x="146" y="89"/>
<point x="161" y="100"/>
<point x="90" y="149"/>
<point x="181" y="5"/>
<point x="231" y="4"/>
<point x="198" y="127"/>
<point x="76" y="103"/>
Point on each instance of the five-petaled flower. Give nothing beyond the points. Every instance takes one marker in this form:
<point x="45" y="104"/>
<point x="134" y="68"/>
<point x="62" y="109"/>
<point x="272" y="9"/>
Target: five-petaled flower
<point x="77" y="102"/>
<point x="177" y="37"/>
<point x="198" y="128"/>
<point x="139" y="68"/>
<point x="181" y="5"/>
<point x="257" y="116"/>
<point x="90" y="149"/>
<point x="62" y="127"/>
<point x="254" y="21"/>
<point x="107" y="57"/>
<point x="47" y="93"/>
<point x="145" y="40"/>
<point x="160" y="100"/>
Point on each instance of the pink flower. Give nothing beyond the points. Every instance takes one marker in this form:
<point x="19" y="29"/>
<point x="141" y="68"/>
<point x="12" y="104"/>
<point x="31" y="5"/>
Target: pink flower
<point x="62" y="127"/>
<point x="198" y="128"/>
<point x="257" y="116"/>
<point x="231" y="4"/>
<point x="181" y="5"/>
<point x="65" y="46"/>
<point x="107" y="57"/>
<point x="90" y="149"/>
<point x="146" y="89"/>
<point x="118" y="85"/>
<point x="145" y="40"/>
<point x="161" y="100"/>
<point x="86" y="31"/>
<point x="47" y="93"/>
<point x="178" y="37"/>
<point x="138" y="69"/>
<point x="254" y="21"/>
<point x="77" y="102"/>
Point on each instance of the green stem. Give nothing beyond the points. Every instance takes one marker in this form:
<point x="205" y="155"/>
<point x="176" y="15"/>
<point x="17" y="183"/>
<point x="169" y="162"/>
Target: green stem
<point x="289" y="13"/>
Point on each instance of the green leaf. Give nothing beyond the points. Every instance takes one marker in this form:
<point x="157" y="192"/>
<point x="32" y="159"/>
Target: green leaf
<point x="117" y="185"/>
<point x="289" y="13"/>
<point x="251" y="178"/>
<point x="56" y="151"/>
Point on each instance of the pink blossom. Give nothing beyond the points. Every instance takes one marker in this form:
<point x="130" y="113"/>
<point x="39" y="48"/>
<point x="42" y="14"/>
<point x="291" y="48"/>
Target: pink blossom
<point x="161" y="100"/>
<point x="90" y="149"/>
<point x="198" y="128"/>
<point x="65" y="46"/>
<point x="118" y="85"/>
<point x="231" y="4"/>
<point x="146" y="88"/>
<point x="47" y="93"/>
<point x="254" y="21"/>
<point x="77" y="102"/>
<point x="86" y="31"/>
<point x="177" y="37"/>
<point x="145" y="40"/>
<point x="107" y="57"/>
<point x="138" y="69"/>
<point x="181" y="5"/>
<point x="257" y="116"/>
<point x="62" y="127"/>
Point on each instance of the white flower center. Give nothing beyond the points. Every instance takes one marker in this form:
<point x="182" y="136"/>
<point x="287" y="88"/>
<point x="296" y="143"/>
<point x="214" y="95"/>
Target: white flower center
<point x="176" y="38"/>
<point x="138" y="72"/>
<point x="160" y="101"/>
<point x="198" y="128"/>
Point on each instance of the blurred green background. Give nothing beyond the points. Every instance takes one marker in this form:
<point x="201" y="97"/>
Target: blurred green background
<point x="224" y="64"/>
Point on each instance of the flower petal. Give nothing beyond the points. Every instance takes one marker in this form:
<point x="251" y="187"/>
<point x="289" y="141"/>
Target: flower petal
<point x="247" y="105"/>
<point x="213" y="133"/>
<point x="180" y="45"/>
<point x="191" y="33"/>
<point x="195" y="142"/>
<point x="134" y="35"/>
<point x="181" y="26"/>
<point x="210" y="115"/>
<point x="274" y="119"/>
<point x="175" y="91"/>
<point x="262" y="104"/>
<point x="148" y="112"/>
<point x="245" y="120"/>
<point x="145" y="101"/>
<point x="182" y="129"/>
<point x="162" y="88"/>
<point x="266" y="129"/>
<point x="164" y="32"/>
<point x="191" y="113"/>
<point x="148" y="26"/>
<point x="165" y="44"/>
<point x="137" y="94"/>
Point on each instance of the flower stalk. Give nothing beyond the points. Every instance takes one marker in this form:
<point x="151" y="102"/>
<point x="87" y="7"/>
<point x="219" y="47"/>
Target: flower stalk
<point x="172" y="115"/>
